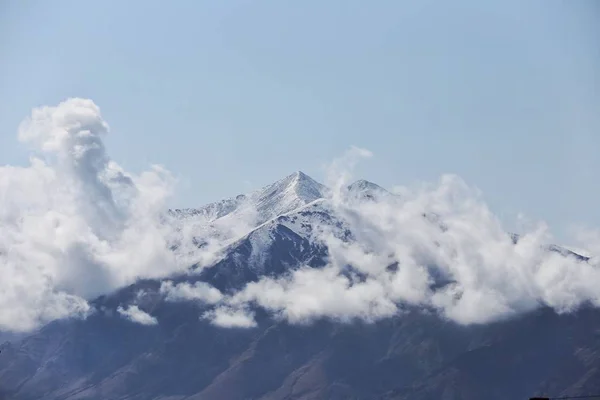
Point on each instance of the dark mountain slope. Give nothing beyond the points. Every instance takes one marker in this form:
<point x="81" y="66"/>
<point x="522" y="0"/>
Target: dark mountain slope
<point x="411" y="357"/>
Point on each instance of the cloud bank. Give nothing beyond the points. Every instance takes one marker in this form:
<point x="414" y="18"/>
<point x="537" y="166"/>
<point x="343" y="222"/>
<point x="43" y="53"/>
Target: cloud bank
<point x="199" y="291"/>
<point x="435" y="247"/>
<point x="76" y="225"/>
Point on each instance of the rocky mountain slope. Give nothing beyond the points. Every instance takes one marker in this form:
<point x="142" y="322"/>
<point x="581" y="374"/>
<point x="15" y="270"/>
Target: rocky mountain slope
<point x="414" y="355"/>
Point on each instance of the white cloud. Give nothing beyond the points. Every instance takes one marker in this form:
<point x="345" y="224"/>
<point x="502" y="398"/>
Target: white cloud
<point x="339" y="171"/>
<point x="134" y="314"/>
<point x="199" y="291"/>
<point x="227" y="317"/>
<point x="311" y="293"/>
<point x="458" y="260"/>
<point x="74" y="223"/>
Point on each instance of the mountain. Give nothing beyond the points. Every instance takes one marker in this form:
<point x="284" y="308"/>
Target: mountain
<point x="228" y="220"/>
<point x="363" y="189"/>
<point x="415" y="355"/>
<point x="283" y="196"/>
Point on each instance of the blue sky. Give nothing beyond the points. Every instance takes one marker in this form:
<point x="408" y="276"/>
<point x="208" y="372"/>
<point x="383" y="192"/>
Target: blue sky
<point x="234" y="95"/>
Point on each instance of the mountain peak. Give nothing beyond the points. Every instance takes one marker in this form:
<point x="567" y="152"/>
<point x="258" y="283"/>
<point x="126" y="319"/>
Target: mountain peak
<point x="291" y="192"/>
<point x="285" y="195"/>
<point x="362" y="184"/>
<point x="299" y="175"/>
<point x="303" y="185"/>
<point x="366" y="190"/>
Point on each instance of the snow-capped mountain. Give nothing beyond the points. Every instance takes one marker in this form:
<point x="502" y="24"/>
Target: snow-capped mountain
<point x="291" y="207"/>
<point x="296" y="207"/>
<point x="280" y="227"/>
<point x="297" y="201"/>
<point x="228" y="220"/>
<point x="366" y="190"/>
<point x="411" y="356"/>
<point x="283" y="196"/>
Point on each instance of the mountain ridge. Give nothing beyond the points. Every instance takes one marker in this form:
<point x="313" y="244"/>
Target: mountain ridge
<point x="412" y="355"/>
<point x="298" y="191"/>
<point x="294" y="189"/>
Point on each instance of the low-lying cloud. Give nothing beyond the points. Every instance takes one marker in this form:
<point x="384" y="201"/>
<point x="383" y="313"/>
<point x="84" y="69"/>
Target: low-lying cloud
<point x="228" y="317"/>
<point x="134" y="314"/>
<point x="199" y="291"/>
<point x="435" y="247"/>
<point x="76" y="225"/>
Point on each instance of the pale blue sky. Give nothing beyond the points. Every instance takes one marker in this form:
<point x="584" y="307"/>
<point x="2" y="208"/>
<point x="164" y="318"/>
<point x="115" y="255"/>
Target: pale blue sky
<point x="231" y="95"/>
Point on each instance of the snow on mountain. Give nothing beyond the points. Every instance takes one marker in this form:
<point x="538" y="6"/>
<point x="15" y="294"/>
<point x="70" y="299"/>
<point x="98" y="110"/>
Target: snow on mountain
<point x="563" y="251"/>
<point x="365" y="190"/>
<point x="211" y="211"/>
<point x="300" y="225"/>
<point x="305" y="213"/>
<point x="294" y="209"/>
<point x="222" y="223"/>
<point x="285" y="195"/>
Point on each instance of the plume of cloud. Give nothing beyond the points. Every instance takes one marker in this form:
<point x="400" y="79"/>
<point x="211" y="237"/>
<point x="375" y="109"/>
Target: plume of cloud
<point x="74" y="223"/>
<point x="339" y="171"/>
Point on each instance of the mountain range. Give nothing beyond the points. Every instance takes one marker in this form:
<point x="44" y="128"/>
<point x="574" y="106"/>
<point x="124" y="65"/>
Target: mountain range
<point x="269" y="233"/>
